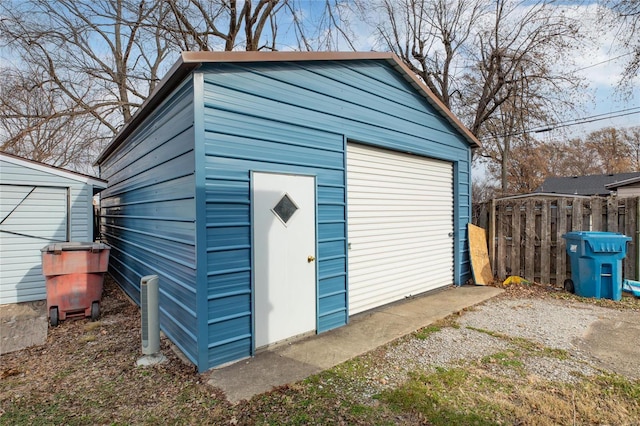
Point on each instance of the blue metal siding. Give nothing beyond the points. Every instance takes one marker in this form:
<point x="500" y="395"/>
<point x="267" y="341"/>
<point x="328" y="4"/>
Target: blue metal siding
<point x="462" y="193"/>
<point x="293" y="118"/>
<point x="178" y="202"/>
<point x="236" y="144"/>
<point x="148" y="214"/>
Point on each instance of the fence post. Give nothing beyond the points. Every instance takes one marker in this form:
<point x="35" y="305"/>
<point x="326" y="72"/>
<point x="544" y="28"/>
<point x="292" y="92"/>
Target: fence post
<point x="612" y="214"/>
<point x="530" y="240"/>
<point x="501" y="239"/>
<point x="561" y="256"/>
<point x="576" y="218"/>
<point x="596" y="214"/>
<point x="545" y="242"/>
<point x="516" y="239"/>
<point x="636" y="236"/>
<point x="492" y="235"/>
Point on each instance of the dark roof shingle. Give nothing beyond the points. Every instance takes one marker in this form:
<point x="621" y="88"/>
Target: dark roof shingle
<point x="583" y="185"/>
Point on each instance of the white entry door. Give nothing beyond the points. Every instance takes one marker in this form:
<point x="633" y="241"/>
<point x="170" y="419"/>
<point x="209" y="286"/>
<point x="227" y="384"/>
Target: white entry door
<point x="284" y="244"/>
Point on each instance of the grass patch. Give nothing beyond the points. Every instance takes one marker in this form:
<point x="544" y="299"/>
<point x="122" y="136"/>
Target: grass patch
<point x="87" y="338"/>
<point x="532" y="348"/>
<point x="425" y="332"/>
<point x="68" y="382"/>
<point x="449" y="321"/>
<point x="560" y="354"/>
<point x="468" y="396"/>
<point x="93" y="325"/>
<point x="449" y="396"/>
<point x="509" y="359"/>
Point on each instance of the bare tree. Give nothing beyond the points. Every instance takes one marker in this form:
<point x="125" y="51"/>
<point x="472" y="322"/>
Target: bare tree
<point x="100" y="59"/>
<point x="37" y="124"/>
<point x="496" y="64"/>
<point x="603" y="151"/>
<point x="224" y="24"/>
<point x="633" y="142"/>
<point x="104" y="56"/>
<point x="326" y="26"/>
<point x="97" y="61"/>
<point x="520" y="53"/>
<point x="627" y="20"/>
<point x="613" y="149"/>
<point x="482" y="190"/>
<point x="430" y="36"/>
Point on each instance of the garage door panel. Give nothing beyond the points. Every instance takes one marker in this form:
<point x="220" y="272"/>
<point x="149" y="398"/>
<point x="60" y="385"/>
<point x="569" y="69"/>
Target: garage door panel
<point x="371" y="261"/>
<point x="413" y="285"/>
<point x="392" y="245"/>
<point x="378" y="282"/>
<point x="387" y="181"/>
<point x="370" y="222"/>
<point x="380" y="160"/>
<point x="400" y="210"/>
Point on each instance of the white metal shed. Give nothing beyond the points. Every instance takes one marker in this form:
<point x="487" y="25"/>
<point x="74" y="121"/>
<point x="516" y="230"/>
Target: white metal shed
<point x="39" y="204"/>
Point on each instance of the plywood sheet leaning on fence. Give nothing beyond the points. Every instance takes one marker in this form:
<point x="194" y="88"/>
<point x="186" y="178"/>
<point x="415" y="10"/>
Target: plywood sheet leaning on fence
<point x="480" y="264"/>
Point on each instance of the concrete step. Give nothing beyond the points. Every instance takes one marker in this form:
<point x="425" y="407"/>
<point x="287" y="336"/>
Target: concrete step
<point x="23" y="325"/>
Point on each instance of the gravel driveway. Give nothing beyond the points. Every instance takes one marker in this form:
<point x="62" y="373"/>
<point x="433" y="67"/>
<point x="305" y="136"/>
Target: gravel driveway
<point x="585" y="338"/>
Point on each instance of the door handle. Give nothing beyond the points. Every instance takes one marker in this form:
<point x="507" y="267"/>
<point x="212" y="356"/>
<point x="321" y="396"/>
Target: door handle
<point x="310" y="258"/>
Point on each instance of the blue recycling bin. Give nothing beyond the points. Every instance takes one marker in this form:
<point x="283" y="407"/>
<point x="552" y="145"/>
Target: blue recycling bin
<point x="596" y="263"/>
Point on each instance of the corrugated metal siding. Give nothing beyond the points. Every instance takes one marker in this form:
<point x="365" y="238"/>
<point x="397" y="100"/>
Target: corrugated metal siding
<point x="236" y="144"/>
<point x="43" y="215"/>
<point x="400" y="225"/>
<point x="278" y="117"/>
<point x="148" y="214"/>
<point x="293" y="118"/>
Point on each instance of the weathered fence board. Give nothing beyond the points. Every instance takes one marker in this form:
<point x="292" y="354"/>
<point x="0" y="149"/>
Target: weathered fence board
<point x="526" y="233"/>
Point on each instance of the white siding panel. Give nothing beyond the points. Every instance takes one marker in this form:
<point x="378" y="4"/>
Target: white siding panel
<point x="400" y="210"/>
<point x="31" y="217"/>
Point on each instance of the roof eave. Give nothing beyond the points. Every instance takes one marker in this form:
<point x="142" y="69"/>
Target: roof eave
<point x="174" y="76"/>
<point x="69" y="174"/>
<point x="625" y="182"/>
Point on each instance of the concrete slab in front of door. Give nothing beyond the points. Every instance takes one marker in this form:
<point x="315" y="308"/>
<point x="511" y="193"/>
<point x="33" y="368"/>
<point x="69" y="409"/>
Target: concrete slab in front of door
<point x="366" y="331"/>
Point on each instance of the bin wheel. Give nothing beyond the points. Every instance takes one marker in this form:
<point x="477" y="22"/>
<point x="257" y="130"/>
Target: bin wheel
<point x="53" y="316"/>
<point x="95" y="311"/>
<point x="568" y="286"/>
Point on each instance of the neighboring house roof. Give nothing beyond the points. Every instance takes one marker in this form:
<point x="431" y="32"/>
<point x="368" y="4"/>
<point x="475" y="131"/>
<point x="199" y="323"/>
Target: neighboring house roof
<point x="540" y="195"/>
<point x="190" y="61"/>
<point x="626" y="182"/>
<point x="584" y="185"/>
<point x="58" y="171"/>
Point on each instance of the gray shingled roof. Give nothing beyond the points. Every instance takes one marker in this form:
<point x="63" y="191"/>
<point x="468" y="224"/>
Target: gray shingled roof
<point x="583" y="185"/>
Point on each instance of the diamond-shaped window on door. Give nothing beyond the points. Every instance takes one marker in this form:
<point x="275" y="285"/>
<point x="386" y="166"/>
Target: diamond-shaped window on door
<point x="285" y="208"/>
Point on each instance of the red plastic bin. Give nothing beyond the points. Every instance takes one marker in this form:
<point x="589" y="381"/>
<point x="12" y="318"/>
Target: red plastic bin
<point x="74" y="275"/>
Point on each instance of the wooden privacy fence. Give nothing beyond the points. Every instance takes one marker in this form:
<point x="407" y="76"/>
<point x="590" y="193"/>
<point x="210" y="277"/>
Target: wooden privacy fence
<point x="525" y="233"/>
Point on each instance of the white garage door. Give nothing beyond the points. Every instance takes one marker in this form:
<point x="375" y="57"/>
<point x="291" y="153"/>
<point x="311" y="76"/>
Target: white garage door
<point x="30" y="218"/>
<point x="400" y="210"/>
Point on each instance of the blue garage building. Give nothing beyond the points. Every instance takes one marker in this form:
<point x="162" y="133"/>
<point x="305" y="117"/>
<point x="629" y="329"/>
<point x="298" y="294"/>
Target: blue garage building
<point x="276" y="194"/>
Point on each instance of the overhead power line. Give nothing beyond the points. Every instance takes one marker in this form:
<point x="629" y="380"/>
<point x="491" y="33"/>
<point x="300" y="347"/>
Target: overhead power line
<point x="589" y="119"/>
<point x="603" y="62"/>
<point x="573" y="122"/>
